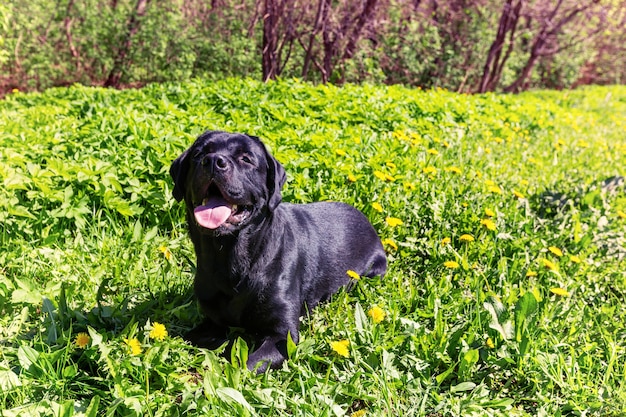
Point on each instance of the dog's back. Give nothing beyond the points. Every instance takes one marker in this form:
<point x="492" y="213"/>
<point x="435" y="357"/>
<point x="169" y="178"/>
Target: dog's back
<point x="336" y="238"/>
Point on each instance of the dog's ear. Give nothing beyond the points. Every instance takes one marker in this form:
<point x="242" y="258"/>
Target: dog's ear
<point x="276" y="178"/>
<point x="178" y="171"/>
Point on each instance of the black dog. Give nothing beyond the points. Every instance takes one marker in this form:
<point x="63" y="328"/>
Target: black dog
<point x="262" y="263"/>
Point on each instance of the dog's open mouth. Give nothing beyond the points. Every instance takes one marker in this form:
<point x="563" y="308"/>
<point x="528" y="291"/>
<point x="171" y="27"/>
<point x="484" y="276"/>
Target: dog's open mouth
<point x="215" y="211"/>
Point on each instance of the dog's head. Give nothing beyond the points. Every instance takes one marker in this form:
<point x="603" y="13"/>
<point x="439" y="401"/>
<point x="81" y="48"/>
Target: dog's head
<point x="227" y="180"/>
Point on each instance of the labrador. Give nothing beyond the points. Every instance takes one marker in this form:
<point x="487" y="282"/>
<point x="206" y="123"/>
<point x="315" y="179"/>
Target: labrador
<point x="262" y="263"/>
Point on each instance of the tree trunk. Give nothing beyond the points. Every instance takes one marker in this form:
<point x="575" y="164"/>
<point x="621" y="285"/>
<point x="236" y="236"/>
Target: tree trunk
<point x="494" y="64"/>
<point x="269" y="59"/>
<point x="122" y="60"/>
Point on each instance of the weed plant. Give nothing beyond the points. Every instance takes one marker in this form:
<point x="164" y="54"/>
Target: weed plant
<point x="503" y="218"/>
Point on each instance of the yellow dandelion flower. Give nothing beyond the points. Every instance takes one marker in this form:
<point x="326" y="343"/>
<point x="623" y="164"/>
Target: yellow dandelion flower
<point x="82" y="340"/>
<point x="575" y="259"/>
<point x="359" y="413"/>
<point x="519" y="195"/>
<point x="393" y="221"/>
<point x="380" y="175"/>
<point x="340" y="152"/>
<point x="390" y="178"/>
<point x="489" y="213"/>
<point x="445" y="241"/>
<point x="351" y="178"/>
<point x="158" y="331"/>
<point x="341" y="348"/>
<point x="548" y="264"/>
<point x="490" y="343"/>
<point x="466" y="238"/>
<point x="498" y="140"/>
<point x="455" y="170"/>
<point x="489" y="224"/>
<point x="390" y="243"/>
<point x="15" y="91"/>
<point x="409" y="186"/>
<point x="560" y="292"/>
<point x="621" y="214"/>
<point x="352" y="274"/>
<point x="376" y="206"/>
<point x="391" y="165"/>
<point x="487" y="150"/>
<point x="166" y="252"/>
<point x="429" y="170"/>
<point x="433" y="151"/>
<point x="558" y="252"/>
<point x="445" y="144"/>
<point x="530" y="274"/>
<point x="134" y="345"/>
<point x="377" y="314"/>
<point x="451" y="264"/>
<point x="494" y="189"/>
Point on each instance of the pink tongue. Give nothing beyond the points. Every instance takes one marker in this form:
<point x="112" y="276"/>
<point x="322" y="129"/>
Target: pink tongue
<point x="213" y="214"/>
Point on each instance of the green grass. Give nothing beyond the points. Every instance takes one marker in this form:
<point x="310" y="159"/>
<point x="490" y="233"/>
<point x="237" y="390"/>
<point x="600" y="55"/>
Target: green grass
<point x="523" y="317"/>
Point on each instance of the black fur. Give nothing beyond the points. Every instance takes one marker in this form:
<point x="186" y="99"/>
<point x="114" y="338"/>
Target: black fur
<point x="264" y="267"/>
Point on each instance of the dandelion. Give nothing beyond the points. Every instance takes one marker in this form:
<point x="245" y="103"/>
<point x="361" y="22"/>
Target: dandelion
<point x="82" y="340"/>
<point x="556" y="251"/>
<point x="391" y="165"/>
<point x="433" y="151"/>
<point x="166" y="252"/>
<point x="530" y="274"/>
<point x="389" y="178"/>
<point x="451" y="264"/>
<point x="445" y="144"/>
<point x="380" y="175"/>
<point x="352" y="274"/>
<point x="575" y="259"/>
<point x="158" y="331"/>
<point x="393" y="221"/>
<point x="466" y="238"/>
<point x="359" y="413"/>
<point x="351" y="178"/>
<point x="519" y="195"/>
<point x="377" y="314"/>
<point x="489" y="224"/>
<point x="409" y="186"/>
<point x="341" y="347"/>
<point x="390" y="243"/>
<point x="560" y="292"/>
<point x="455" y="170"/>
<point x="621" y="214"/>
<point x="490" y="343"/>
<point x="376" y="206"/>
<point x="498" y="140"/>
<point x="489" y="213"/>
<point x="549" y="265"/>
<point x="429" y="170"/>
<point x="134" y="345"/>
<point x="494" y="189"/>
<point x="340" y="152"/>
<point x="445" y="241"/>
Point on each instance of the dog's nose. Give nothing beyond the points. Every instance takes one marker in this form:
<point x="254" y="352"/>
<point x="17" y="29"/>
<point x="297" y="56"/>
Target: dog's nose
<point x="215" y="162"/>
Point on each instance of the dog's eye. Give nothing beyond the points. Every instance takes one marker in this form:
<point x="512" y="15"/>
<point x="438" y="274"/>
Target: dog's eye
<point x="246" y="159"/>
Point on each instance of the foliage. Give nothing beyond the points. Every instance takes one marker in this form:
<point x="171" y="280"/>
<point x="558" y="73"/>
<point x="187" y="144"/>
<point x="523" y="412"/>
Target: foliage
<point x="506" y="246"/>
<point x="45" y="43"/>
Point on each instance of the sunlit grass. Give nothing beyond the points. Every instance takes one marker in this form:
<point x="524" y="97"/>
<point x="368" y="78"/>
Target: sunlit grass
<point x="505" y="289"/>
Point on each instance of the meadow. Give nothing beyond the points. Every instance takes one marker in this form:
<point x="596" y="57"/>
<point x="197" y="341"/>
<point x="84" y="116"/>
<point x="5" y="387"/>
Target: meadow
<point x="503" y="217"/>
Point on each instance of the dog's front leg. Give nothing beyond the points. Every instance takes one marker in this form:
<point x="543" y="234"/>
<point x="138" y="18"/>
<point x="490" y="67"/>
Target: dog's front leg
<point x="272" y="353"/>
<point x="207" y="335"/>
